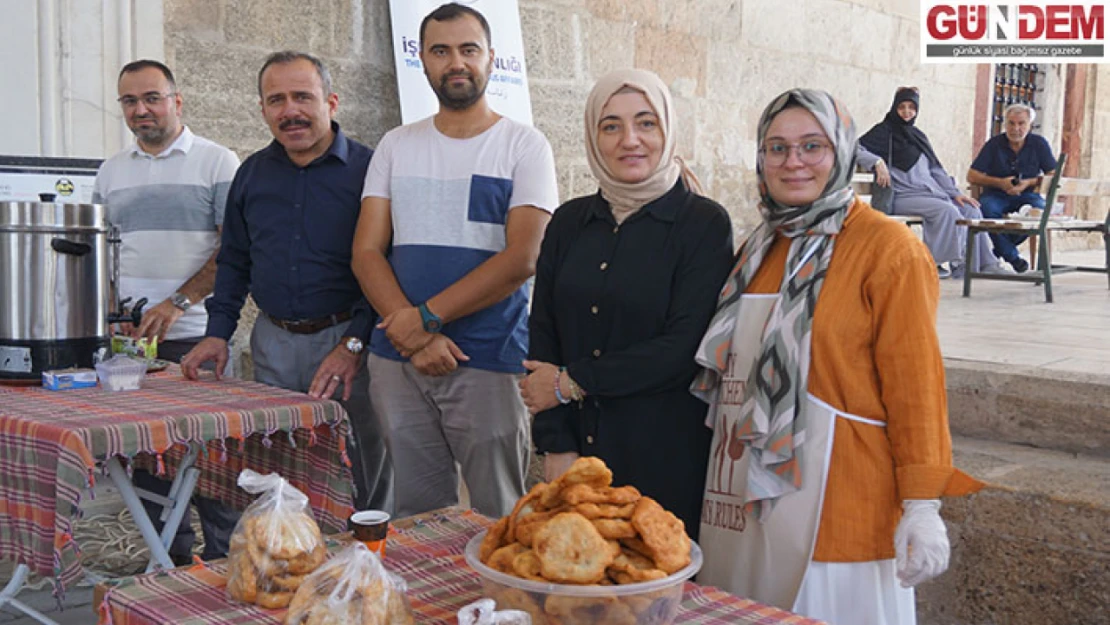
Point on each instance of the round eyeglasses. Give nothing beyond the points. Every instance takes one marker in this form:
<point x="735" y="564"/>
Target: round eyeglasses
<point x="810" y="152"/>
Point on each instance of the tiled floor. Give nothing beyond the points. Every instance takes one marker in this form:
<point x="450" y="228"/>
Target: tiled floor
<point x="1010" y="322"/>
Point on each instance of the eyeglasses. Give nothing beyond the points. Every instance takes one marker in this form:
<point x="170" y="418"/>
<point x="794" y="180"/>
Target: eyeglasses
<point x="809" y="152"/>
<point x="150" y="100"/>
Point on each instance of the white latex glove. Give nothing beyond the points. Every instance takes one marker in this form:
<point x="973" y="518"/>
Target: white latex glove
<point x="920" y="542"/>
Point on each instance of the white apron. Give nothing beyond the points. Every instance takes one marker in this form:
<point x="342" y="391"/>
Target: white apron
<point x="768" y="561"/>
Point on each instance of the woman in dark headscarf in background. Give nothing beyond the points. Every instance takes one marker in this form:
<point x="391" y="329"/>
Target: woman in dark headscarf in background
<point x="901" y="156"/>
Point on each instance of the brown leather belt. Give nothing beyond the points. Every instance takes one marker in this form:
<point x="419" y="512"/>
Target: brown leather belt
<point x="309" y="326"/>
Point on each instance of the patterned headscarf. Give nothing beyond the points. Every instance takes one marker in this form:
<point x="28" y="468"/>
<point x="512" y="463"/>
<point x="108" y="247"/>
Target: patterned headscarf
<point x="626" y="198"/>
<point x="773" y="417"/>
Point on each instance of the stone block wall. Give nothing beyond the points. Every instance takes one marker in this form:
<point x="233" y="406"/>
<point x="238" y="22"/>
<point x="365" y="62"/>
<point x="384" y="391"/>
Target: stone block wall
<point x="723" y="59"/>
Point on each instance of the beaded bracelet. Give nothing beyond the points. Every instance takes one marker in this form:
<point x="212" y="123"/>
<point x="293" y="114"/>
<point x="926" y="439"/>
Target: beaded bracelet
<point x="558" y="392"/>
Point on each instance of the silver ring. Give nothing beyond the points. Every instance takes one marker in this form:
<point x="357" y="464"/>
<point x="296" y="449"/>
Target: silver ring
<point x="337" y="378"/>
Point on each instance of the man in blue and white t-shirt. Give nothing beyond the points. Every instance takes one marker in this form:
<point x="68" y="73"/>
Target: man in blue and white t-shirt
<point x="453" y="212"/>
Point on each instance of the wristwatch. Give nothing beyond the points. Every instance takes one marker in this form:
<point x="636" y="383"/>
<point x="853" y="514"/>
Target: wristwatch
<point x="181" y="301"/>
<point x="353" y="344"/>
<point x="432" y="322"/>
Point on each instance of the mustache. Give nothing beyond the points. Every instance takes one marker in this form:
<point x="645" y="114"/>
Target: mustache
<point x="290" y="123"/>
<point x="462" y="74"/>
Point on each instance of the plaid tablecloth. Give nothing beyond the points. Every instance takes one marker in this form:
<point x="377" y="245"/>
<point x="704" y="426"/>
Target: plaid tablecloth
<point x="52" y="443"/>
<point x="427" y="552"/>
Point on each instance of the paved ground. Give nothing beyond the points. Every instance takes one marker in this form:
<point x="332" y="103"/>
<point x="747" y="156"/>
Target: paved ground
<point x="1010" y="322"/>
<point x="1002" y="322"/>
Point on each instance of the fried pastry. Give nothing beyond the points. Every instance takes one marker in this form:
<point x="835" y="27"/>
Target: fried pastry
<point x="605" y="510"/>
<point x="523" y="507"/>
<point x="494" y="540"/>
<point x="614" y="529"/>
<point x="571" y="550"/>
<point x="663" y="534"/>
<point x="584" y="493"/>
<point x="516" y="599"/>
<point x="273" y="600"/>
<point x="586" y="470"/>
<point x="527" y="565"/>
<point x="242" y="579"/>
<point x="502" y="559"/>
<point x="630" y="567"/>
<point x="525" y="532"/>
<point x="588" y="610"/>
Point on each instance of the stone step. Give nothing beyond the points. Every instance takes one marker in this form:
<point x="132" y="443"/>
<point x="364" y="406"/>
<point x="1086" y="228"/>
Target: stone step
<point x="1033" y="548"/>
<point x="1043" y="408"/>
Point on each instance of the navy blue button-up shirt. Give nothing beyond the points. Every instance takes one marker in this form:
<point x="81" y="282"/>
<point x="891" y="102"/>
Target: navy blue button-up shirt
<point x="997" y="159"/>
<point x="287" y="238"/>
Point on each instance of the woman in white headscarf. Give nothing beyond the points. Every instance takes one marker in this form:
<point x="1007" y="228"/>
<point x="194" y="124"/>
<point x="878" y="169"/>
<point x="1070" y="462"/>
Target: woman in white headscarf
<point x="626" y="283"/>
<point x="831" y="447"/>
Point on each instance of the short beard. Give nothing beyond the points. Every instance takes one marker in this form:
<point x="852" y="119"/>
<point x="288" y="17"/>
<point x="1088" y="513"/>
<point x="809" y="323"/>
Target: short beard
<point x="152" y="136"/>
<point x="462" y="101"/>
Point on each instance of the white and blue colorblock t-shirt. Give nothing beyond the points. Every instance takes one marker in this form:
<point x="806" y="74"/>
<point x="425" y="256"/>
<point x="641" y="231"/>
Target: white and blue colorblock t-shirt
<point x="449" y="202"/>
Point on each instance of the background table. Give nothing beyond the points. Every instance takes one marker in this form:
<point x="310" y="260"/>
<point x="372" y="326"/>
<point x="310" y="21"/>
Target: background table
<point x="52" y="442"/>
<point x="427" y="551"/>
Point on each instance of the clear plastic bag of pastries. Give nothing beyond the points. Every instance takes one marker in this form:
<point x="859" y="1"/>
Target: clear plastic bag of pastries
<point x="353" y="588"/>
<point x="275" y="545"/>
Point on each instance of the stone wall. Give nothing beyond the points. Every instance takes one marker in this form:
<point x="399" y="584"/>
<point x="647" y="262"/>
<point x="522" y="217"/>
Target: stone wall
<point x="723" y="59"/>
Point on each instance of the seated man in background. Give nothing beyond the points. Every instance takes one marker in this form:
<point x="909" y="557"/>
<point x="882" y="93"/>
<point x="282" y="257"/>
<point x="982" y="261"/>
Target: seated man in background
<point x="1010" y="167"/>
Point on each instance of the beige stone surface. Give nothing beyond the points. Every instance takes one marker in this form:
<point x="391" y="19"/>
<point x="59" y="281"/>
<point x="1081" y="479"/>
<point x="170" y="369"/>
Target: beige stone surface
<point x="197" y="17"/>
<point x="553" y="45"/>
<point x="643" y="12"/>
<point x="1030" y="405"/>
<point x="718" y="20"/>
<point x="675" y="56"/>
<point x="323" y="27"/>
<point x="607" y="46"/>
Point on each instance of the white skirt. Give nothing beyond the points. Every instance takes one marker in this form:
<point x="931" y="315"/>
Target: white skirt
<point x="855" y="593"/>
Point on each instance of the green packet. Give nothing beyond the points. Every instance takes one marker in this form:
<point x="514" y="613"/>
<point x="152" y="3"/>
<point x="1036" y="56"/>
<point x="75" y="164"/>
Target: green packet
<point x="137" y="348"/>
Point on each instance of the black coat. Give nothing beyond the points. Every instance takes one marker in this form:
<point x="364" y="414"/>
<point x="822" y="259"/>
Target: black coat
<point x="624" y="309"/>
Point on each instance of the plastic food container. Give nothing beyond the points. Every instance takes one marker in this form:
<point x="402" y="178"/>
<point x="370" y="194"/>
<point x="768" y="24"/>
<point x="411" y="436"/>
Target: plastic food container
<point x="121" y="373"/>
<point x="645" y="603"/>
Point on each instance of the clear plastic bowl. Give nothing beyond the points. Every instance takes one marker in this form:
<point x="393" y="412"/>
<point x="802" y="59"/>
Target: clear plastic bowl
<point x="121" y="373"/>
<point x="645" y="603"/>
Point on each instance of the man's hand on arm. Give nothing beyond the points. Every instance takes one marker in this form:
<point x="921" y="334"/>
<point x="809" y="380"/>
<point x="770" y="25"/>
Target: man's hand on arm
<point x="210" y="349"/>
<point x="439" y="357"/>
<point x="340" y="366"/>
<point x="405" y="330"/>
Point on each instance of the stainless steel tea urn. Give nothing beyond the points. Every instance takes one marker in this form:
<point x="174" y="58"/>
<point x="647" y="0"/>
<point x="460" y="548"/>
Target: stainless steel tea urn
<point x="55" y="286"/>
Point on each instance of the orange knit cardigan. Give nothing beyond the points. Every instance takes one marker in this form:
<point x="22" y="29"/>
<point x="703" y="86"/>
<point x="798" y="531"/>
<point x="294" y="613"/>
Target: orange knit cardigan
<point x="875" y="354"/>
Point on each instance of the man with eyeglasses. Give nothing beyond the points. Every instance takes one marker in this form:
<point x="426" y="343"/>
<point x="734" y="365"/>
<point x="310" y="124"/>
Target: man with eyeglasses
<point x="166" y="193"/>
<point x="1010" y="168"/>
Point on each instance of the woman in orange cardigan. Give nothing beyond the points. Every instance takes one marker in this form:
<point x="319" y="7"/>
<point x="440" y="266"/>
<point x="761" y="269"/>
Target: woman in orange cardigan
<point x="824" y="375"/>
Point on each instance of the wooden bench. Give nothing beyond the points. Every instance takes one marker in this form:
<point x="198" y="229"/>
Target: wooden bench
<point x="862" y="181"/>
<point x="1042" y="228"/>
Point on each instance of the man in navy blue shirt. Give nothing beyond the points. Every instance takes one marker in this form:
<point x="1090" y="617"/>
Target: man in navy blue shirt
<point x="1009" y="167"/>
<point x="289" y="224"/>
